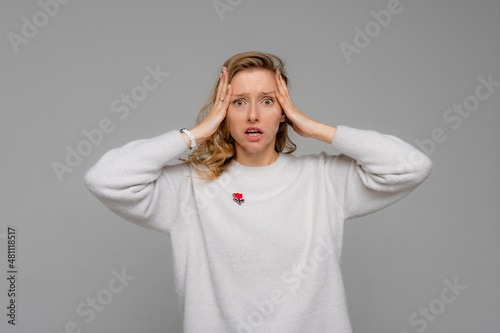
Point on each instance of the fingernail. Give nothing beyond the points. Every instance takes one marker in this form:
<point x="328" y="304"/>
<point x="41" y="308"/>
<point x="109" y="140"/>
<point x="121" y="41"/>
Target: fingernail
<point x="220" y="75"/>
<point x="229" y="85"/>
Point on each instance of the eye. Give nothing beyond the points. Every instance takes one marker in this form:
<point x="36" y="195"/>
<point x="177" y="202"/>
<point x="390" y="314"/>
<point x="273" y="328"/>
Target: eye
<point x="267" y="101"/>
<point x="238" y="101"/>
<point x="270" y="100"/>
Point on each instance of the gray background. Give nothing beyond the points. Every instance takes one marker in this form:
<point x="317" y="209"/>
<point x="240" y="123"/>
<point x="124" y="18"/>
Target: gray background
<point x="395" y="261"/>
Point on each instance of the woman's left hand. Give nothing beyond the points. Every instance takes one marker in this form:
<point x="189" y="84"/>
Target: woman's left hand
<point x="300" y="123"/>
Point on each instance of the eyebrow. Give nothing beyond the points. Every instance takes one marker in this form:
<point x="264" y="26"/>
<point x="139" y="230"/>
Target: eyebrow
<point x="261" y="93"/>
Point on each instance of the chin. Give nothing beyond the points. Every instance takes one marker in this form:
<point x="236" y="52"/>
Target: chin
<point x="254" y="147"/>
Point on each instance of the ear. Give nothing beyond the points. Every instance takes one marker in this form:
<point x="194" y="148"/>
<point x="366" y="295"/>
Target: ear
<point x="283" y="116"/>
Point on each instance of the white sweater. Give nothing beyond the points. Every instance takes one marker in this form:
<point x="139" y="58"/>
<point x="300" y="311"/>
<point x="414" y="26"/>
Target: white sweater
<point x="271" y="263"/>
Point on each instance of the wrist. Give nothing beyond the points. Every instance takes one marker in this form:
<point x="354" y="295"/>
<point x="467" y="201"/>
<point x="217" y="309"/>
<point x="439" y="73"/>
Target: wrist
<point x="192" y="141"/>
<point x="186" y="138"/>
<point x="323" y="132"/>
<point x="198" y="134"/>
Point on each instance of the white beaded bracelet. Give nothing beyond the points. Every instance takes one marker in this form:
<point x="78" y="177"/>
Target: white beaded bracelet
<point x="191" y="137"/>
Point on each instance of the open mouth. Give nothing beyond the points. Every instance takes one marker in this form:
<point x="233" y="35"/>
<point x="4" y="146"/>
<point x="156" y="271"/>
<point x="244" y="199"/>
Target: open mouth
<point x="253" y="133"/>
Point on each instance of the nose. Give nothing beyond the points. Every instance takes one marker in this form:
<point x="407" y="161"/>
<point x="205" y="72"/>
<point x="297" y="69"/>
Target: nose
<point x="252" y="115"/>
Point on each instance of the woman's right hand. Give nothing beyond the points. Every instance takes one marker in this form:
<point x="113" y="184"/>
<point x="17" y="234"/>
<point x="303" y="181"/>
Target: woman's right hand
<point x="204" y="130"/>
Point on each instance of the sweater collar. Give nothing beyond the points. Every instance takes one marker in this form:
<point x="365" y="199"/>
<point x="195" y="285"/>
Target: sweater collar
<point x="272" y="169"/>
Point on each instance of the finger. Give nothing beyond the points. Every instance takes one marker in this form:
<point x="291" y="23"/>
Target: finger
<point x="279" y="97"/>
<point x="278" y="83"/>
<point x="224" y="85"/>
<point x="227" y="99"/>
<point x="281" y="94"/>
<point x="225" y="88"/>
<point x="221" y="86"/>
<point x="283" y="87"/>
<point x="278" y="79"/>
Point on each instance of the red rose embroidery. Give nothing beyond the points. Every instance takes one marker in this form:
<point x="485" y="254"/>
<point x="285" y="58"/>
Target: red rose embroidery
<point x="238" y="198"/>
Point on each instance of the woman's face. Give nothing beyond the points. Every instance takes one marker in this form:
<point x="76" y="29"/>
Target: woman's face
<point x="254" y="104"/>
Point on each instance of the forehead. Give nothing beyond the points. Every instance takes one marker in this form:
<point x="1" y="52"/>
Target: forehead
<point x="252" y="77"/>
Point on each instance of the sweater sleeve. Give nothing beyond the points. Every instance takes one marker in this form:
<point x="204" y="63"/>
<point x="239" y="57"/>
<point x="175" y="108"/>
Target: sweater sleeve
<point x="135" y="182"/>
<point x="373" y="171"/>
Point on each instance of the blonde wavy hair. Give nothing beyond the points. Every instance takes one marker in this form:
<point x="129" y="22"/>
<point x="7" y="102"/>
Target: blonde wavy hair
<point x="211" y="157"/>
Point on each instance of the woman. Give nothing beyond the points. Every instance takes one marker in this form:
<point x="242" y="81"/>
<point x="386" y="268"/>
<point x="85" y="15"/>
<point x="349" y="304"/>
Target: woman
<point x="256" y="232"/>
